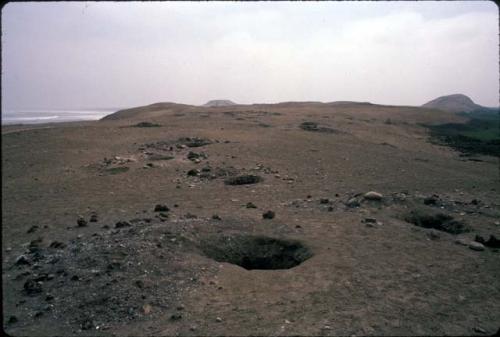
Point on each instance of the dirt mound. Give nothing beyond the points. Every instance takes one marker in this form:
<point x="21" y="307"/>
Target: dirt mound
<point x="256" y="252"/>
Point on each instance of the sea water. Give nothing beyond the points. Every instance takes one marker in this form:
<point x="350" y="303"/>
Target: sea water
<point x="28" y="116"/>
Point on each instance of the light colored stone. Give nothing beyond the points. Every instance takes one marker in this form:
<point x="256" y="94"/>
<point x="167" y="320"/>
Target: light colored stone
<point x="476" y="246"/>
<point x="372" y="195"/>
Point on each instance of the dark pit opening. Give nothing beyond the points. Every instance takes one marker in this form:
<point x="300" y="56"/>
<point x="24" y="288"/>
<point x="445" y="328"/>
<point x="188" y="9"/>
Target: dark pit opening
<point x="243" y="180"/>
<point x="439" y="221"/>
<point x="256" y="252"/>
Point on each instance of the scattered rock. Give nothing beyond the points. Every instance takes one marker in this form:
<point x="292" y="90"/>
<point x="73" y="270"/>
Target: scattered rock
<point x="32" y="229"/>
<point x="432" y="200"/>
<point x="31" y="287"/>
<point x="87" y="324"/>
<point x="476" y="246"/>
<point x="374" y="196"/>
<point x="57" y="245"/>
<point x="352" y="203"/>
<point x="243" y="180"/>
<point x="22" y="260"/>
<point x="161" y="208"/>
<point x="462" y="242"/>
<point x="193" y="172"/>
<point x="121" y="224"/>
<point x="268" y="215"/>
<point x="81" y="222"/>
<point x="175" y="317"/>
<point x="250" y="205"/>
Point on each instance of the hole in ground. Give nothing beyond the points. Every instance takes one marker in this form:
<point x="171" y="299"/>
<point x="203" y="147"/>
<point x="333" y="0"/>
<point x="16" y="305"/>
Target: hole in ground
<point x="439" y="221"/>
<point x="256" y="252"/>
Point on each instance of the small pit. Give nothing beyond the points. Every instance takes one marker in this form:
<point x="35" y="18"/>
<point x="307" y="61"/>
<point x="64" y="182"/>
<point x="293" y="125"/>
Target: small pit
<point x="256" y="252"/>
<point x="439" y="221"/>
<point x="243" y="180"/>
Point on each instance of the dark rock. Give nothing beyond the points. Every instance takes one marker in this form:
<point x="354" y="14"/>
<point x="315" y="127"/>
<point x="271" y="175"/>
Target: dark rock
<point x="216" y="217"/>
<point x="243" y="180"/>
<point x="330" y="209"/>
<point x="480" y="239"/>
<point x="121" y="224"/>
<point x="81" y="222"/>
<point x="190" y="216"/>
<point x="38" y="314"/>
<point x="93" y="218"/>
<point x="139" y="284"/>
<point x="352" y="203"/>
<point x="161" y="208"/>
<point x="324" y="201"/>
<point x="439" y="221"/>
<point x="32" y="229"/>
<point x="193" y="172"/>
<point x="75" y="278"/>
<point x="12" y="319"/>
<point x="49" y="297"/>
<point x="192" y="155"/>
<point x="175" y="317"/>
<point x="57" y="245"/>
<point x="35" y="243"/>
<point x="268" y="215"/>
<point x="370" y="220"/>
<point x="250" y="205"/>
<point x="475" y="202"/>
<point x="31" y="287"/>
<point x="432" y="200"/>
<point x="492" y="242"/>
<point x="87" y="324"/>
<point x="22" y="260"/>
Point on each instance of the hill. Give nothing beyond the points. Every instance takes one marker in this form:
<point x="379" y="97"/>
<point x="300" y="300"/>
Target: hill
<point x="453" y="103"/>
<point x="219" y="102"/>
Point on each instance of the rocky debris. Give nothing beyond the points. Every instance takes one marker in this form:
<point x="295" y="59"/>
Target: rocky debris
<point x="193" y="173"/>
<point x="440" y="221"/>
<point x="462" y="242"/>
<point x="476" y="246"/>
<point x="243" y="180"/>
<point x="121" y="224"/>
<point x="432" y="200"/>
<point x="81" y="221"/>
<point x="492" y="242"/>
<point x="32" y="229"/>
<point x="193" y="141"/>
<point x="161" y="208"/>
<point x="196" y="157"/>
<point x="268" y="215"/>
<point x="353" y="203"/>
<point x="175" y="317"/>
<point x="22" y="260"/>
<point x="373" y="196"/>
<point x="250" y="205"/>
<point x="57" y="245"/>
<point x="146" y="125"/>
<point x="313" y="126"/>
<point x="93" y="217"/>
<point x="32" y="287"/>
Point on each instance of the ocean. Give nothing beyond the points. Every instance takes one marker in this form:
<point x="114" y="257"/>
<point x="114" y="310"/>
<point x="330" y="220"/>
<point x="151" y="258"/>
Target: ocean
<point x="53" y="116"/>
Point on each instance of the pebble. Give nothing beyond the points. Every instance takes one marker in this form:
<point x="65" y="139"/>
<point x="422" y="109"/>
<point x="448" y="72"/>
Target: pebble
<point x="268" y="215"/>
<point x="121" y="224"/>
<point x="218" y="319"/>
<point x="476" y="246"/>
<point x="372" y="195"/>
<point x="161" y="208"/>
<point x="250" y="205"/>
<point x="462" y="242"/>
<point x="81" y="222"/>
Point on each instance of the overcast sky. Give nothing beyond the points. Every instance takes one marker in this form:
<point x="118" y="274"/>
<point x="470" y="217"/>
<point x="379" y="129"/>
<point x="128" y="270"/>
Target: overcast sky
<point x="105" y="54"/>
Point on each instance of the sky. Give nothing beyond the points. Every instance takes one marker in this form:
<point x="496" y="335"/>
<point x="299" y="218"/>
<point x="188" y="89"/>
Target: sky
<point x="124" y="54"/>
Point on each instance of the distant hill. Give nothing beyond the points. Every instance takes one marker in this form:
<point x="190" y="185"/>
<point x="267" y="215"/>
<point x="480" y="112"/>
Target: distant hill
<point x="152" y="110"/>
<point x="453" y="103"/>
<point x="219" y="102"/>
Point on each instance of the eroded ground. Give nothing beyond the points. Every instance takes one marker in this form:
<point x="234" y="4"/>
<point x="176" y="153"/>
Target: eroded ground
<point x="363" y="266"/>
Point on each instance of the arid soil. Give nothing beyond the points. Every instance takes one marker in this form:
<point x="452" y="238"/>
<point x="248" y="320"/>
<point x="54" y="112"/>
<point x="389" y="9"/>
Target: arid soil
<point x="248" y="220"/>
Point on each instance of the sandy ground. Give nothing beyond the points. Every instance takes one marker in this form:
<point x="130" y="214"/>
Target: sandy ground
<point x="371" y="272"/>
